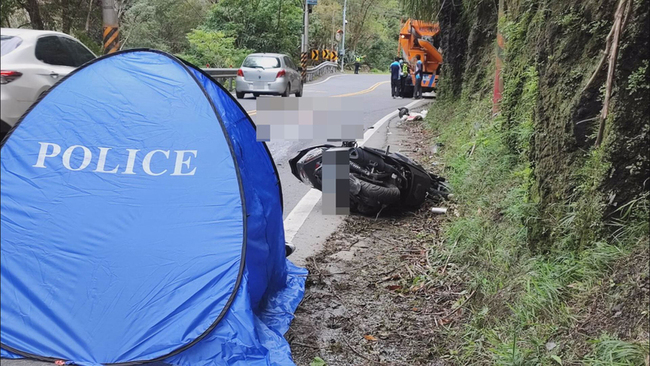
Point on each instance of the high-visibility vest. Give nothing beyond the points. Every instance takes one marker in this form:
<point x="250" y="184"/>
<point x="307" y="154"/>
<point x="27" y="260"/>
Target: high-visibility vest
<point x="405" y="69"/>
<point x="358" y="59"/>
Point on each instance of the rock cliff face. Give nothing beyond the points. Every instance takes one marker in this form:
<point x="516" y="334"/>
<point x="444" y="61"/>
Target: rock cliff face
<point x="552" y="50"/>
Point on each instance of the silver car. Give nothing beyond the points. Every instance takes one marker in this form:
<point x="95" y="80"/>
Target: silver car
<point x="269" y="74"/>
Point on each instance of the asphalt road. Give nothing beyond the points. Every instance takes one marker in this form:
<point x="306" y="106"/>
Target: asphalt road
<point x="375" y="102"/>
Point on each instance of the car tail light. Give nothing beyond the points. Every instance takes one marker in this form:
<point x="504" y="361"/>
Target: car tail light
<point x="240" y="73"/>
<point x="280" y="74"/>
<point x="9" y="76"/>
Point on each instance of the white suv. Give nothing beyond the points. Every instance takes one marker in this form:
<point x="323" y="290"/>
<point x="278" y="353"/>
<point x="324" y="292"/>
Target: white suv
<point x="33" y="61"/>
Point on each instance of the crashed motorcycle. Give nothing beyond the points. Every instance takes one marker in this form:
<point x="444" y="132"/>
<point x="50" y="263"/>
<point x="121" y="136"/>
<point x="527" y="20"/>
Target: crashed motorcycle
<point x="378" y="178"/>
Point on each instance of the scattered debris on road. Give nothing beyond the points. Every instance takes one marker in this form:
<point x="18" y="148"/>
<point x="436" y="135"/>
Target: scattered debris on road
<point x="405" y="115"/>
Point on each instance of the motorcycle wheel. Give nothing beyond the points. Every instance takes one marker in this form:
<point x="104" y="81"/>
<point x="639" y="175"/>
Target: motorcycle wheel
<point x="382" y="195"/>
<point x="372" y="197"/>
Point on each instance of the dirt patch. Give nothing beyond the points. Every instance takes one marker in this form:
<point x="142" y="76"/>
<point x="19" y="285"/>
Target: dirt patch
<point x="628" y="289"/>
<point x="619" y="306"/>
<point x="374" y="294"/>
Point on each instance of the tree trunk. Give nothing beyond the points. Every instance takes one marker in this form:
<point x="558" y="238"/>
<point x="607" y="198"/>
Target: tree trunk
<point x="610" y="71"/>
<point x="66" y="16"/>
<point x="357" y="29"/>
<point x="90" y="8"/>
<point x="7" y="20"/>
<point x="31" y="6"/>
<point x="279" y="15"/>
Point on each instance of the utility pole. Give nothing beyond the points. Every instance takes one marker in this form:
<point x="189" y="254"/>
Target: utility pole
<point x="305" y="43"/>
<point x="342" y="52"/>
<point x="333" y="32"/>
<point x="111" y="29"/>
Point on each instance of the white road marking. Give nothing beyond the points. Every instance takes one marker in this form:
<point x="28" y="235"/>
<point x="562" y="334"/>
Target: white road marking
<point x="297" y="217"/>
<point x="299" y="214"/>
<point x="320" y="82"/>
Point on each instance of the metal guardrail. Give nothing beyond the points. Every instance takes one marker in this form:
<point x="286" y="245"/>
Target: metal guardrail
<point x="226" y="76"/>
<point x="221" y="73"/>
<point x="223" y="76"/>
<point x="321" y="69"/>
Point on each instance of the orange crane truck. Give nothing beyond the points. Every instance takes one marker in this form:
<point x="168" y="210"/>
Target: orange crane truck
<point x="420" y="38"/>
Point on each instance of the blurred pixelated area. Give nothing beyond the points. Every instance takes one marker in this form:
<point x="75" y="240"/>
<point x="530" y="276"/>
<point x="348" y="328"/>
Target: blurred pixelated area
<point x="336" y="181"/>
<point x="308" y="119"/>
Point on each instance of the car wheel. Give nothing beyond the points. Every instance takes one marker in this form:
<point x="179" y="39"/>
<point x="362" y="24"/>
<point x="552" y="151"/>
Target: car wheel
<point x="288" y="91"/>
<point x="4" y="128"/>
<point x="240" y="95"/>
<point x="408" y="92"/>
<point x="299" y="92"/>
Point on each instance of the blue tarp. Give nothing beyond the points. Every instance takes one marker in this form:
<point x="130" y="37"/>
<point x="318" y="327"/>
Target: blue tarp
<point x="141" y="220"/>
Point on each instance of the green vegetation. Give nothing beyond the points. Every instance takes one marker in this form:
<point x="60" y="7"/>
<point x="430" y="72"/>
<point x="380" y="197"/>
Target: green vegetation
<point x="213" y="48"/>
<point x="528" y="299"/>
<point x="611" y="351"/>
<point x="638" y="80"/>
<point x="318" y="362"/>
<point x="552" y="233"/>
<point x="161" y="24"/>
<point x="259" y="25"/>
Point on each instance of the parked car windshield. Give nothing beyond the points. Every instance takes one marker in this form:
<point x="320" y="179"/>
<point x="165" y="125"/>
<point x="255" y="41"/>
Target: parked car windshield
<point x="9" y="43"/>
<point x="264" y="62"/>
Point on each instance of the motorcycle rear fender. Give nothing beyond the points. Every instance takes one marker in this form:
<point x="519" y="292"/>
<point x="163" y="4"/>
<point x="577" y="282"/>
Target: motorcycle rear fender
<point x="293" y="162"/>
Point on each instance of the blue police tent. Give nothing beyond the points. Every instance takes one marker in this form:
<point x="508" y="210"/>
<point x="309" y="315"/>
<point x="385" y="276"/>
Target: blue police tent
<point x="141" y="221"/>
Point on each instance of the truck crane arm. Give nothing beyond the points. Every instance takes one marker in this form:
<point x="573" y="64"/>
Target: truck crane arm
<point x="421" y="38"/>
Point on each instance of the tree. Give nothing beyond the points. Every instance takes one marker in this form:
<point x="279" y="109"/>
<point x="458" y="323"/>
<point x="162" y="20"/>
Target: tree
<point x="259" y="25"/>
<point x="372" y="29"/>
<point x="30" y="6"/>
<point x="214" y="48"/>
<point x="325" y="20"/>
<point x="427" y="10"/>
<point x="68" y="16"/>
<point x="8" y="8"/>
<point x="161" y="24"/>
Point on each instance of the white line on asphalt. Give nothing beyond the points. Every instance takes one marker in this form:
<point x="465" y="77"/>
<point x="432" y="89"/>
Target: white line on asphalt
<point x="296" y="218"/>
<point x="371" y="131"/>
<point x="320" y="82"/>
<point x="299" y="214"/>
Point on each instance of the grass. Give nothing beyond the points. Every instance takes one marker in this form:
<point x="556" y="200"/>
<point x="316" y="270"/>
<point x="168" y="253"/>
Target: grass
<point x="608" y="350"/>
<point x="526" y="297"/>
